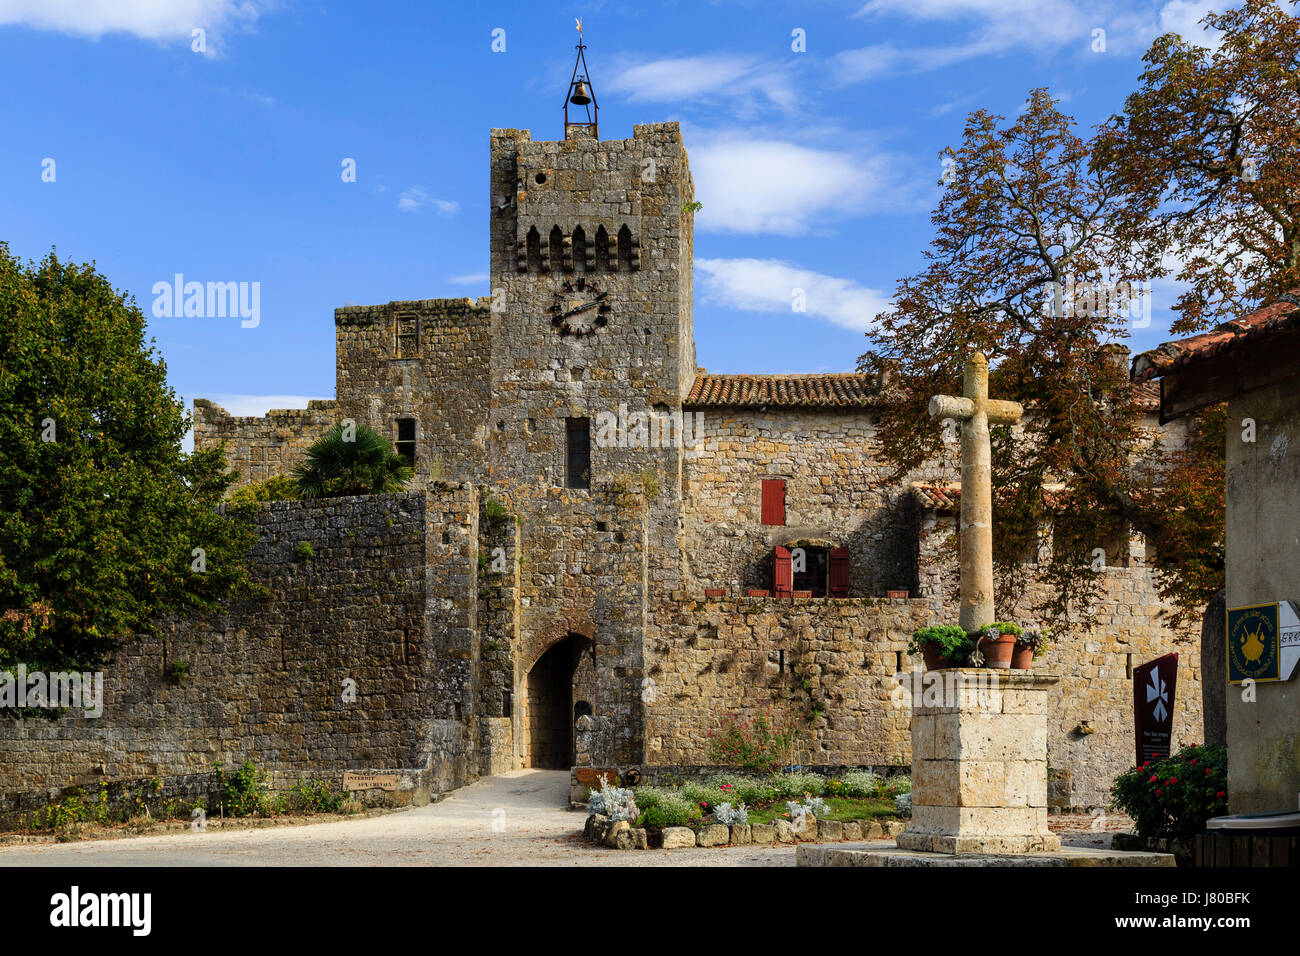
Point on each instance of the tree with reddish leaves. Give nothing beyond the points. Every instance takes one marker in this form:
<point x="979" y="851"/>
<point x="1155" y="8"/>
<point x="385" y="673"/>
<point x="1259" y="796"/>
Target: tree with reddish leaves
<point x="1036" y="262"/>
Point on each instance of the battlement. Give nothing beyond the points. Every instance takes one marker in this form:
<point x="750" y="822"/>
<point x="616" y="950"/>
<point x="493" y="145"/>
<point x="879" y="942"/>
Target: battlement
<point x="374" y="314"/>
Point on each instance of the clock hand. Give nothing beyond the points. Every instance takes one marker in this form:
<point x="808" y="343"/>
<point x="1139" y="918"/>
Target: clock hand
<point x="583" y="308"/>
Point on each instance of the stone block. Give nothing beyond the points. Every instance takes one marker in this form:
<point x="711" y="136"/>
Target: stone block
<point x="616" y="830"/>
<point x="678" y="837"/>
<point x="741" y="834"/>
<point x="830" y="831"/>
<point x="853" y="830"/>
<point x="784" y="831"/>
<point x="763" y="832"/>
<point x="715" y="834"/>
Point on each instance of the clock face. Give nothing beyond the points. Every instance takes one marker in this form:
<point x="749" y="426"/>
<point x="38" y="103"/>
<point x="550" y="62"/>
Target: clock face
<point x="579" y="308"/>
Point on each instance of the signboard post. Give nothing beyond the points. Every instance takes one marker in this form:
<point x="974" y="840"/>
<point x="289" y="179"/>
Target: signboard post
<point x="1263" y="642"/>
<point x="1153" y="707"/>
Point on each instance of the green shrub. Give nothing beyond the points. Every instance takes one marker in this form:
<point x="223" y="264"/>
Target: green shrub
<point x="304" y="551"/>
<point x="660" y="808"/>
<point x="751" y="744"/>
<point x="860" y="783"/>
<point x="949" y="640"/>
<point x="244" y="794"/>
<point x="1175" y="796"/>
<point x="795" y="785"/>
<point x="175" y="671"/>
<point x="316" y="796"/>
<point x="251" y="496"/>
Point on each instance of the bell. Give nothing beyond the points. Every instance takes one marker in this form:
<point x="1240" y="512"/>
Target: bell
<point x="580" y="97"/>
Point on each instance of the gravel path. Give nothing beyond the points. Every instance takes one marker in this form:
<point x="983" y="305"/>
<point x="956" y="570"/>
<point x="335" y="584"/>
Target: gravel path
<point x="533" y="827"/>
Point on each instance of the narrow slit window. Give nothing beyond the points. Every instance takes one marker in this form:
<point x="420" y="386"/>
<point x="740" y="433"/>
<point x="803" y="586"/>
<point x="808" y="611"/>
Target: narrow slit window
<point x="577" y="453"/>
<point x="405" y="443"/>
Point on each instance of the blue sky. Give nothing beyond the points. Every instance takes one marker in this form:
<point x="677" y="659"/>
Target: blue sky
<point x="817" y="169"/>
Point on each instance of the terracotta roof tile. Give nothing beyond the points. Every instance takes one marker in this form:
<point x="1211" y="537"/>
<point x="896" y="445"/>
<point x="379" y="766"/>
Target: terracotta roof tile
<point x="1282" y="314"/>
<point x="843" y="390"/>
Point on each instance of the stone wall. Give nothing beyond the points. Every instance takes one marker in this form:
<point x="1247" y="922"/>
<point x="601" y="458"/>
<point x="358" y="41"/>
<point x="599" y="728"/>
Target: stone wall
<point x="384" y="600"/>
<point x="262" y="447"/>
<point x="825" y="665"/>
<point x="835" y="492"/>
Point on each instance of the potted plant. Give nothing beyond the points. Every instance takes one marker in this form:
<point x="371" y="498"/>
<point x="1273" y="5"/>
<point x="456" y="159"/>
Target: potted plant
<point x="1029" y="644"/>
<point x="997" y="643"/>
<point x="944" y="645"/>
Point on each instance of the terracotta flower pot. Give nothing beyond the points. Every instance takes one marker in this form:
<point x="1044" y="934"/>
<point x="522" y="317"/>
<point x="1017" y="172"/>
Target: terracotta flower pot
<point x="1022" y="658"/>
<point x="758" y="592"/>
<point x="801" y="594"/>
<point x="892" y="595"/>
<point x="997" y="651"/>
<point x="715" y="592"/>
<point x="933" y="659"/>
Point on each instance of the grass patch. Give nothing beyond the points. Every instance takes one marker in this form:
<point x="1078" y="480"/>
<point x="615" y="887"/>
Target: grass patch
<point x="842" y="809"/>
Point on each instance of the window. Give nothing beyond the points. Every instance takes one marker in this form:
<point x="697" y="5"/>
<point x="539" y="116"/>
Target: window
<point x="577" y="453"/>
<point x="773" y="507"/>
<point x="408" y="336"/>
<point x="809" y="569"/>
<point x="406" y="439"/>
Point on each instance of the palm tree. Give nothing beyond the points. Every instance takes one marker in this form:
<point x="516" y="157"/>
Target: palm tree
<point x="367" y="465"/>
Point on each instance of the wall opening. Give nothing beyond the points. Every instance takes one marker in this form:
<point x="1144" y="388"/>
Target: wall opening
<point x="551" y="706"/>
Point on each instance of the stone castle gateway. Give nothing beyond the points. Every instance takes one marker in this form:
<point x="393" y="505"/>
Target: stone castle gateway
<point x="605" y="550"/>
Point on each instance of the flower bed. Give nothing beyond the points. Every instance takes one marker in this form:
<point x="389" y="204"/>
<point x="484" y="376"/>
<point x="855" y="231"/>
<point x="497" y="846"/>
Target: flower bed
<point x="730" y="809"/>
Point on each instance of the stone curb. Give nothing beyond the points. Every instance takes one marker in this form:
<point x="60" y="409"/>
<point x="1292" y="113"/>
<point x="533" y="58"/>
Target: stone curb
<point x="598" y="831"/>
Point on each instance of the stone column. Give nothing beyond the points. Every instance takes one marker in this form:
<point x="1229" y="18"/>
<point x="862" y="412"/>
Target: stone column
<point x="979" y="764"/>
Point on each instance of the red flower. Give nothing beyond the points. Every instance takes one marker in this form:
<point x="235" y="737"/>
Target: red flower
<point x="1153" y="779"/>
<point x="1219" y="794"/>
<point x="1173" y="780"/>
<point x="1159" y="791"/>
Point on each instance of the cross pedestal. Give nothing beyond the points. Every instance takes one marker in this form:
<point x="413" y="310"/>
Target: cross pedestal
<point x="979" y="765"/>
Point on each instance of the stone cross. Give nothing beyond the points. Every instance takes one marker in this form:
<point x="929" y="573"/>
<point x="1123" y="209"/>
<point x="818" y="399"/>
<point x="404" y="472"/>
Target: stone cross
<point x="975" y="411"/>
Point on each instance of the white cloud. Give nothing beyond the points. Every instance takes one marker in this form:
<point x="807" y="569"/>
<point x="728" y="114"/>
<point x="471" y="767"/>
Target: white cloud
<point x="693" y="78"/>
<point x="1003" y="26"/>
<point x="754" y="185"/>
<point x="477" y="278"/>
<point x="770" y="285"/>
<point x="416" y="197"/>
<point x="158" y="20"/>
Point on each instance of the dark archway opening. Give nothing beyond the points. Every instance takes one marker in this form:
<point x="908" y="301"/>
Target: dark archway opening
<point x="551" y="709"/>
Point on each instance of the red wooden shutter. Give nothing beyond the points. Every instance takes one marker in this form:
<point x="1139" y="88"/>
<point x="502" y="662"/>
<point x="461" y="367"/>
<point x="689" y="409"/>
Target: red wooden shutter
<point x="773" y="501"/>
<point x="837" y="574"/>
<point x="782" y="573"/>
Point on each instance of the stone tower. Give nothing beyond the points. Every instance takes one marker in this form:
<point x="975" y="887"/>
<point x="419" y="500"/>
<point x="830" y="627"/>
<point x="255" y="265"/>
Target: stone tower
<point x="591" y="258"/>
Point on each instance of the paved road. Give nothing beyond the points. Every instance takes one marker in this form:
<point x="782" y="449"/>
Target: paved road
<point x="534" y="828"/>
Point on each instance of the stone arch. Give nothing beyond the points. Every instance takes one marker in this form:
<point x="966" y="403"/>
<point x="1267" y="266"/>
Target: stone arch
<point x="579" y="249"/>
<point x="549" y="704"/>
<point x="625" y="249"/>
<point x="533" y="247"/>
<point x="557" y="249"/>
<point x="602" y="250"/>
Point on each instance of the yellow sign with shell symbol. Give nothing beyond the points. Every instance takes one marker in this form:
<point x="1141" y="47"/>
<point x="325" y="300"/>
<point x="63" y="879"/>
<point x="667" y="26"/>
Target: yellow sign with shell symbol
<point x="1263" y="642"/>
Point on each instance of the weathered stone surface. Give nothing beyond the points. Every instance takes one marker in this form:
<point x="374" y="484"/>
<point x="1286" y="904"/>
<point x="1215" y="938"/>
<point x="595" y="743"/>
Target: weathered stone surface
<point x="741" y="834"/>
<point x="763" y="832"/>
<point x="784" y="832"/>
<point x="873" y="831"/>
<point x="677" y="837"/>
<point x="596" y="824"/>
<point x="715" y="834"/>
<point x="852" y="830"/>
<point x="618" y="830"/>
<point x="830" y="831"/>
<point x="640" y="838"/>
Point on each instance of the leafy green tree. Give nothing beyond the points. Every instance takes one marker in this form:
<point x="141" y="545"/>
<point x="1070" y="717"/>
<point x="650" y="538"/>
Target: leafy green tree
<point x="346" y="462"/>
<point x="107" y="524"/>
